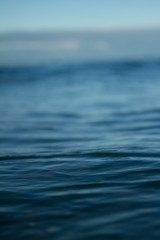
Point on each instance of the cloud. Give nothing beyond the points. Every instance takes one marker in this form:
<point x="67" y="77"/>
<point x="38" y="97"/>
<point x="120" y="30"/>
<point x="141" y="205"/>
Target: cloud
<point x="101" y="45"/>
<point x="50" y="45"/>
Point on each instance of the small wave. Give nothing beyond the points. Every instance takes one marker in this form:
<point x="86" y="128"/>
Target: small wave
<point x="37" y="72"/>
<point x="104" y="154"/>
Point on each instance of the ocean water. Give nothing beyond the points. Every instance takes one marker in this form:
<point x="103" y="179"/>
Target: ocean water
<point x="80" y="151"/>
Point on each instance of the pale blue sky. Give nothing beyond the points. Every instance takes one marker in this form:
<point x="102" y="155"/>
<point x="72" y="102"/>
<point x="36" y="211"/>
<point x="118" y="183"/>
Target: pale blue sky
<point x="22" y="15"/>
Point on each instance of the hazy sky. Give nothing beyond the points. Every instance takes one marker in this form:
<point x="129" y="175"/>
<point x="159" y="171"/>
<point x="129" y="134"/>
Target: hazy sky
<point x="24" y="15"/>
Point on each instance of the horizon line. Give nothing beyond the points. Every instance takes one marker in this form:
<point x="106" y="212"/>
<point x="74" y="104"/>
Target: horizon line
<point x="79" y="30"/>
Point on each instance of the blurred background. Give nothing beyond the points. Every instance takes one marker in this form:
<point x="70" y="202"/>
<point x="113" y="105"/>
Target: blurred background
<point x="79" y="119"/>
<point x="40" y="31"/>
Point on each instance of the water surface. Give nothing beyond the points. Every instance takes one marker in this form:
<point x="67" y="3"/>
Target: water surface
<point x="80" y="156"/>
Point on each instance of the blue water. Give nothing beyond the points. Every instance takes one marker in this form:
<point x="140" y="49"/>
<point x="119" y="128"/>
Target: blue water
<point x="80" y="151"/>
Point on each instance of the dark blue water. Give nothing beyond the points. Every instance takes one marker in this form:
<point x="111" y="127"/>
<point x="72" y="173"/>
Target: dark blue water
<point x="80" y="151"/>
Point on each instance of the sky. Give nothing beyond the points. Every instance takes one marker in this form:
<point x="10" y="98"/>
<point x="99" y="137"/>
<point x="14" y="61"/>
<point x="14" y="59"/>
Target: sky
<point x="43" y="15"/>
<point x="45" y="30"/>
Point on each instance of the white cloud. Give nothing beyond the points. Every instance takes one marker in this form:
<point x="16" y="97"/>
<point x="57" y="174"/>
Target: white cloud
<point x="52" y="45"/>
<point x="101" y="45"/>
